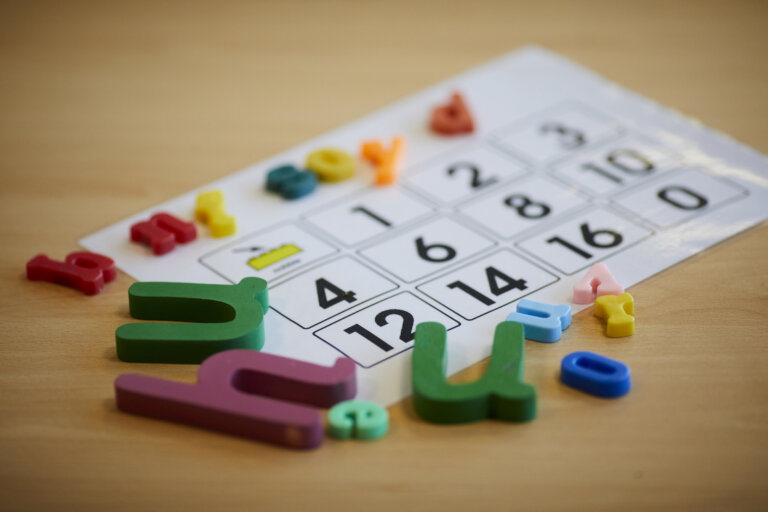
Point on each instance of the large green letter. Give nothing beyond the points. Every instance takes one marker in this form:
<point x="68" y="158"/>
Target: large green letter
<point x="225" y="317"/>
<point x="499" y="393"/>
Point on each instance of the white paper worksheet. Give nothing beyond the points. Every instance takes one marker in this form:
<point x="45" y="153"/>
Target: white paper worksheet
<point x="565" y="169"/>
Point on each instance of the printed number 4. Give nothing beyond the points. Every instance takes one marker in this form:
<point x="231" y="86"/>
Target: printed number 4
<point x="406" y="331"/>
<point x="325" y="287"/>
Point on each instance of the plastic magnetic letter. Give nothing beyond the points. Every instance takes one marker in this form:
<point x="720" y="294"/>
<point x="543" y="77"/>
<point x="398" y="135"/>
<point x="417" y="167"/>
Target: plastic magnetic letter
<point x="597" y="282"/>
<point x="245" y="393"/>
<point x="210" y="210"/>
<point x="618" y="310"/>
<point x="81" y="270"/>
<point x="331" y="164"/>
<point x="453" y="118"/>
<point x="542" y="322"/>
<point x="290" y="182"/>
<point x="499" y="393"/>
<point x="220" y="316"/>
<point x="359" y="419"/>
<point x="387" y="161"/>
<point x="162" y="232"/>
<point x="595" y="374"/>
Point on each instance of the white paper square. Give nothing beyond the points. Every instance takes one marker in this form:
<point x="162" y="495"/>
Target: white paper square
<point x="608" y="232"/>
<point x="426" y="249"/>
<point x="362" y="217"/>
<point x="297" y="298"/>
<point x="391" y="323"/>
<point x="523" y="205"/>
<point x="462" y="174"/>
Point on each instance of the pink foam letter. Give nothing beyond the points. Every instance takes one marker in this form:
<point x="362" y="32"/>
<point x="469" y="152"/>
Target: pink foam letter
<point x="596" y="283"/>
<point x="245" y="393"/>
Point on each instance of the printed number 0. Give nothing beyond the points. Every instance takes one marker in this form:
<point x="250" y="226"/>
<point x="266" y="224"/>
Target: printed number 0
<point x="665" y="195"/>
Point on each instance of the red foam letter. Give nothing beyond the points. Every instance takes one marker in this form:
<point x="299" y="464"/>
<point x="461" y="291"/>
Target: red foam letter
<point x="453" y="118"/>
<point x="162" y="231"/>
<point x="82" y="270"/>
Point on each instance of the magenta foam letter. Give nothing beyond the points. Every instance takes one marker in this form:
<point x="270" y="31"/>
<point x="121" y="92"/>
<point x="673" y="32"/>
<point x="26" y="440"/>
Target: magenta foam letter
<point x="246" y="393"/>
<point x="598" y="282"/>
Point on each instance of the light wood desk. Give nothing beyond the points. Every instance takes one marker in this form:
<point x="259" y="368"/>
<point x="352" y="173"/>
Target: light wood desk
<point x="111" y="107"/>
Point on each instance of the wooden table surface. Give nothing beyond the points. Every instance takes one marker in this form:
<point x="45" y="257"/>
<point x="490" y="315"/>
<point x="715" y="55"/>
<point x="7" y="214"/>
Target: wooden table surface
<point x="108" y="108"/>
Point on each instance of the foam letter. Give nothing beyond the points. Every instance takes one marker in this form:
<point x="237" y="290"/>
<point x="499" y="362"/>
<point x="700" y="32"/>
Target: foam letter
<point x="359" y="419"/>
<point x="82" y="270"/>
<point x="225" y="317"/>
<point x="499" y="393"/>
<point x="542" y="322"/>
<point x="597" y="282"/>
<point x="162" y="231"/>
<point x="453" y="118"/>
<point x="331" y="164"/>
<point x="619" y="311"/>
<point x="387" y="162"/>
<point x="210" y="210"/>
<point x="245" y="393"/>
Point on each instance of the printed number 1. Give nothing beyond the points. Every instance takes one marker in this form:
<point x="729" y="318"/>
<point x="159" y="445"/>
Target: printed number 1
<point x="370" y="214"/>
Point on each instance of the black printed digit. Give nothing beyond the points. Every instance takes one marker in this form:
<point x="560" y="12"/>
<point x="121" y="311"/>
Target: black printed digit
<point x="406" y="330"/>
<point x="591" y="238"/>
<point x="325" y="289"/>
<point x="527" y="208"/>
<point x="370" y="214"/>
<point x="495" y="277"/>
<point x="474" y="172"/>
<point x="365" y="333"/>
<point x="628" y="161"/>
<point x="435" y="253"/>
<point x="569" y="138"/>
<point x="695" y="201"/>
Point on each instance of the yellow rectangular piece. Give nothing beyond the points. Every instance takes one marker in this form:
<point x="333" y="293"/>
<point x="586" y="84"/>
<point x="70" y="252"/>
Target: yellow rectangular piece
<point x="273" y="256"/>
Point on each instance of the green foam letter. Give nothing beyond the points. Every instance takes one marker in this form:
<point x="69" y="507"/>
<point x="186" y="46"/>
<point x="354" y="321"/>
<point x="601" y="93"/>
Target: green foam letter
<point x="499" y="393"/>
<point x="221" y="316"/>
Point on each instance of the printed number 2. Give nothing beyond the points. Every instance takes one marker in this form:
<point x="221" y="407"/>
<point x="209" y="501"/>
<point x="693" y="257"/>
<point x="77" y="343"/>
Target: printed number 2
<point x="494" y="276"/>
<point x="590" y="237"/>
<point x="406" y="331"/>
<point x="325" y="287"/>
<point x="475" y="181"/>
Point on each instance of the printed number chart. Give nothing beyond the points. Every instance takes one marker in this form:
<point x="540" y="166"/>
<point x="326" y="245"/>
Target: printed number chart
<point x="565" y="169"/>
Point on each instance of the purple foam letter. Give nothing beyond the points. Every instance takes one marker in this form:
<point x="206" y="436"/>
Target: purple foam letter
<point x="245" y="393"/>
